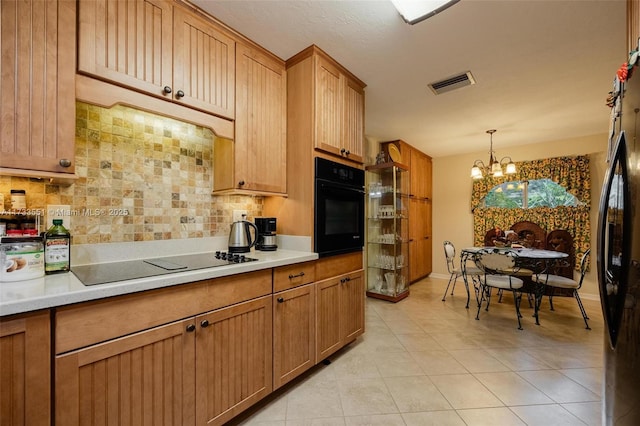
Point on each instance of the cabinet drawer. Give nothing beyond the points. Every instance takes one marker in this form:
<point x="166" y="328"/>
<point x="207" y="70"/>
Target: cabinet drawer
<point x="285" y="277"/>
<point x="88" y="323"/>
<point x="332" y="266"/>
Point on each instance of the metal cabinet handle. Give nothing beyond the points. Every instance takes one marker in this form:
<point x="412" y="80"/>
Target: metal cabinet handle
<point x="342" y="151"/>
<point x="347" y="152"/>
<point x="179" y="94"/>
<point x="280" y="299"/>
<point x="191" y="327"/>
<point x="166" y="89"/>
<point x="301" y="274"/>
<point x="65" y="162"/>
<point x="204" y="324"/>
<point x="241" y="183"/>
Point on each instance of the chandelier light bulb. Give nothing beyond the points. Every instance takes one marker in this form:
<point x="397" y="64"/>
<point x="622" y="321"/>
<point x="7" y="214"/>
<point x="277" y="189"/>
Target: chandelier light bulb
<point x="494" y="167"/>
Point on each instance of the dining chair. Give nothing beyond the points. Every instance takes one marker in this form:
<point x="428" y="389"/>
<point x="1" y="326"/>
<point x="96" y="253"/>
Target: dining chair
<point x="499" y="268"/>
<point x="454" y="271"/>
<point x="557" y="281"/>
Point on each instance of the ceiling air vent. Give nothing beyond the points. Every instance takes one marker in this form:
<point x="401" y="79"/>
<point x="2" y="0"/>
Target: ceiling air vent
<point x="452" y="83"/>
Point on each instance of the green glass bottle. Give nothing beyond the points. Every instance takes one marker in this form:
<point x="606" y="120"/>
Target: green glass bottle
<point x="57" y="249"/>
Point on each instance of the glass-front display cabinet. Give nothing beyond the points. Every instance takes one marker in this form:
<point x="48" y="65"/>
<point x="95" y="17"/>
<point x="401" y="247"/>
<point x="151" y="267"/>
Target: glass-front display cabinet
<point x="388" y="231"/>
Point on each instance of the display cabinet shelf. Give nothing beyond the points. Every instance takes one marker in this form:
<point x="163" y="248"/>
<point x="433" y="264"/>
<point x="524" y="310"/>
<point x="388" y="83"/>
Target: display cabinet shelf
<point x="388" y="232"/>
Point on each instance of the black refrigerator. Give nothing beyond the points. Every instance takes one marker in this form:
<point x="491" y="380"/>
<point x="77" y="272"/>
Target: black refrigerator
<point x="618" y="254"/>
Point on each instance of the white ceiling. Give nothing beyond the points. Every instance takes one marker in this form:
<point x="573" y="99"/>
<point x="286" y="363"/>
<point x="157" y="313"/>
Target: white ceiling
<point x="543" y="68"/>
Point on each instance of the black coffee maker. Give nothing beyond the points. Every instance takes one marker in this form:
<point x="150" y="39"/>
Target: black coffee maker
<point x="266" y="233"/>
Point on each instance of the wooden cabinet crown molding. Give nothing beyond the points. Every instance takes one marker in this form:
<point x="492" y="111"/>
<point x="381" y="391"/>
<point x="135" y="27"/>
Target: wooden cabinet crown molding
<point x="239" y="37"/>
<point x="315" y="50"/>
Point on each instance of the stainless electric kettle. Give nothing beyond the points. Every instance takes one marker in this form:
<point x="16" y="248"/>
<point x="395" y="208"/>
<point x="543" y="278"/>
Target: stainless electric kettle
<point x="240" y="240"/>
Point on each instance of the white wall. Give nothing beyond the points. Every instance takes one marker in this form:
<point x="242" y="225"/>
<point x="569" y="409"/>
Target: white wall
<point x="452" y="218"/>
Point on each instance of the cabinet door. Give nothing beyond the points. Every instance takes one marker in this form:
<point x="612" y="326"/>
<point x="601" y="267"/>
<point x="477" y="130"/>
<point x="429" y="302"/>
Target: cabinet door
<point x="127" y="42"/>
<point x="233" y="360"/>
<point x="428" y="178"/>
<point x="416" y="235"/>
<point x="37" y="85"/>
<point x="260" y="144"/>
<point x="293" y="333"/>
<point x="144" y="378"/>
<point x="204" y="65"/>
<point x="328" y="311"/>
<point x="339" y="312"/>
<point x="352" y="306"/>
<point x="25" y="370"/>
<point x="329" y="107"/>
<point x="354" y="121"/>
<point x="419" y="164"/>
<point x="420" y="262"/>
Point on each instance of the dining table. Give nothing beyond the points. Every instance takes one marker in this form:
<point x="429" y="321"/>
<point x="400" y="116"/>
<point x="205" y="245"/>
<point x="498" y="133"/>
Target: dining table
<point x="539" y="261"/>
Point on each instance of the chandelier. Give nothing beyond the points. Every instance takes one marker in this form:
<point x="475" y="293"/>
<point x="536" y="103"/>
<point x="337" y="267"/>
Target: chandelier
<point x="494" y="168"/>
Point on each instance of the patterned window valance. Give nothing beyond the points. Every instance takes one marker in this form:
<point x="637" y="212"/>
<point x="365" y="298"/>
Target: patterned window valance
<point x="570" y="172"/>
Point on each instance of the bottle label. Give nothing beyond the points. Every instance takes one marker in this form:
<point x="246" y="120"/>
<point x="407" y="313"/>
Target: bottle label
<point x="56" y="254"/>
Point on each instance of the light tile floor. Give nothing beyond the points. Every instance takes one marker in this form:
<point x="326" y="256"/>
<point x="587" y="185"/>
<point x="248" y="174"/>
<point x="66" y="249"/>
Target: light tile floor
<point x="426" y="362"/>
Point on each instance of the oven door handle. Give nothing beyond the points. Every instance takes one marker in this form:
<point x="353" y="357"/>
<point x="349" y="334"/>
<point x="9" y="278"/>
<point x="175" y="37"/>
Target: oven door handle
<point x="344" y="189"/>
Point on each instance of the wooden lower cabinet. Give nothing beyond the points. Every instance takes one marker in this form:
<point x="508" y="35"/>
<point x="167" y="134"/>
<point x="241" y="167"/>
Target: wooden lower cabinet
<point x="339" y="312"/>
<point x="202" y="370"/>
<point x="293" y="333"/>
<point x="144" y="378"/>
<point x="25" y="370"/>
<point x="233" y="360"/>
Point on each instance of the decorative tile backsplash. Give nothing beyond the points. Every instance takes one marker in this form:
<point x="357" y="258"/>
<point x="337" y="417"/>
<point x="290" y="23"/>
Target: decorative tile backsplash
<point x="142" y="177"/>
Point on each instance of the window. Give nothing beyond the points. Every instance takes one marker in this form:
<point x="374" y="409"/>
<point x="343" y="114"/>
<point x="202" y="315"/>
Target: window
<point x="530" y="194"/>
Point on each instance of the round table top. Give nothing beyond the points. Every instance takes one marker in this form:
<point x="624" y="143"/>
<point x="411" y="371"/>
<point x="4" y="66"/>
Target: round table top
<point x="529" y="253"/>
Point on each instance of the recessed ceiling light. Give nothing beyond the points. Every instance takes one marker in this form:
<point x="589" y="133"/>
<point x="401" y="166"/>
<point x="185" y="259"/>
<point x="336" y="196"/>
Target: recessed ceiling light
<point x="414" y="11"/>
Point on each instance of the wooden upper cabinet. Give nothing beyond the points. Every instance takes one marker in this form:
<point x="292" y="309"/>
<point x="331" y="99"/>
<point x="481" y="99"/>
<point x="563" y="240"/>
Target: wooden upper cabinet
<point x="257" y="159"/>
<point x="420" y="174"/>
<point x="37" y="86"/>
<point x="339" y="111"/>
<point x="327" y="104"/>
<point x="204" y="65"/>
<point x="328" y="107"/>
<point x="354" y="120"/>
<point x="127" y="42"/>
<point x="633" y="24"/>
<point x="159" y="48"/>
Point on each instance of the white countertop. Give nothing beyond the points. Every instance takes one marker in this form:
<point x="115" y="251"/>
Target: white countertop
<point x="64" y="289"/>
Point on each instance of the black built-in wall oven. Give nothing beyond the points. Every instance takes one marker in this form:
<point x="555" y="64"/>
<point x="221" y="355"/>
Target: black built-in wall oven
<point x="338" y="208"/>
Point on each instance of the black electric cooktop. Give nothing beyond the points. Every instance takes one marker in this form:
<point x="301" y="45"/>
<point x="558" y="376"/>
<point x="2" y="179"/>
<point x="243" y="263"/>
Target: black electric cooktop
<point x="103" y="273"/>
